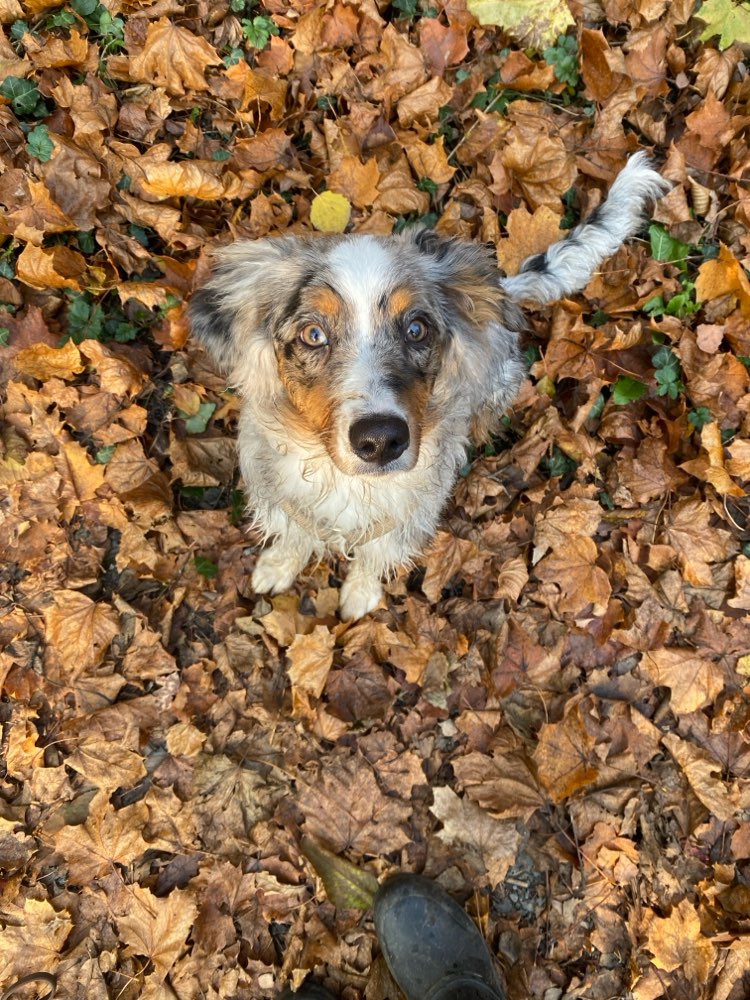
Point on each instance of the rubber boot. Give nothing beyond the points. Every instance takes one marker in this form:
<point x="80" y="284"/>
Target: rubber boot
<point x="307" y="991"/>
<point x="432" y="947"/>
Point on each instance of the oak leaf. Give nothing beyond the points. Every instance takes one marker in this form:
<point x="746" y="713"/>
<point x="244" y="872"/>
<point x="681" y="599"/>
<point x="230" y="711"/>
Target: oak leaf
<point x="676" y="942"/>
<point x="693" y="680"/>
<point x="174" y="58"/>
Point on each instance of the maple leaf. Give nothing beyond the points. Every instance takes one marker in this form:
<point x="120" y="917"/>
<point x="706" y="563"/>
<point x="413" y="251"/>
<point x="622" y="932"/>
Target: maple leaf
<point x="310" y="658"/>
<point x="79" y="630"/>
<point x="32" y="938"/>
<point x="44" y="362"/>
<point x="533" y="23"/>
<point x="158" y="928"/>
<point x="494" y="842"/>
<point x="564" y="758"/>
<point x="726" y="18"/>
<point x="693" y="680"/>
<point x="724" y="276"/>
<point x="676" y="942"/>
<point x="58" y="267"/>
<point x="174" y="58"/>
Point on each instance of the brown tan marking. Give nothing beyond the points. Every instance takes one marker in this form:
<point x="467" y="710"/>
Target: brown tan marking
<point x="325" y="302"/>
<point x="399" y="302"/>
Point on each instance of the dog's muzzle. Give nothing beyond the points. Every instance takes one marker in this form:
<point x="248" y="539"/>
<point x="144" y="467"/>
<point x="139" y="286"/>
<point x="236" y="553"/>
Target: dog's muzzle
<point x="380" y="439"/>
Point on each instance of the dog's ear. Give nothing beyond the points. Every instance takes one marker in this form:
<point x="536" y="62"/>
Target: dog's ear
<point x="233" y="314"/>
<point x="468" y="278"/>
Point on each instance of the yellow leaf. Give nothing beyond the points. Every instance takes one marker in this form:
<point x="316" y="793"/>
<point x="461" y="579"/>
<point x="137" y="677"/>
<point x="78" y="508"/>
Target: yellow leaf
<point x="174" y="58"/>
<point x="330" y="212"/>
<point x="533" y="23"/>
<point x="43" y="362"/>
<point x="723" y="276"/>
<point x="169" y="180"/>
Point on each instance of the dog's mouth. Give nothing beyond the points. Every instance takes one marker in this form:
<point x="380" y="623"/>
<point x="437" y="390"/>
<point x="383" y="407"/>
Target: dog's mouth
<point x="375" y="445"/>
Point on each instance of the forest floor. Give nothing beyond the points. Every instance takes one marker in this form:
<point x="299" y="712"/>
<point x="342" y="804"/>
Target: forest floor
<point x="550" y="715"/>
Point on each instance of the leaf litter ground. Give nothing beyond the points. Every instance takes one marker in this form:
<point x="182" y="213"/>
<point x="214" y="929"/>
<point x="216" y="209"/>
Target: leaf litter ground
<point x="550" y="714"/>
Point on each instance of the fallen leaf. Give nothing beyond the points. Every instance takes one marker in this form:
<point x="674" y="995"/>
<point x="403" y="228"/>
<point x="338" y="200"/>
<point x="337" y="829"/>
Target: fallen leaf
<point x="330" y="212"/>
<point x="694" y="681"/>
<point x="723" y="276"/>
<point x="676" y="942"/>
<point x="79" y="630"/>
<point x="494" y="842"/>
<point x="174" y="58"/>
<point x="310" y="658"/>
<point x="528" y="234"/>
<point x="43" y="362"/>
<point x="158" y="928"/>
<point x="533" y="24"/>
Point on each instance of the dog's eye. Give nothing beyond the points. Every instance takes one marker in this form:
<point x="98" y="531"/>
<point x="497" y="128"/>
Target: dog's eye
<point x="313" y="336"/>
<point x="416" y="331"/>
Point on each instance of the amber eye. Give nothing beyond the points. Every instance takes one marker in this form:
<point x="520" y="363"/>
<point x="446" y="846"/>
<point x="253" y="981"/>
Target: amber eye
<point x="416" y="331"/>
<point x="314" y="336"/>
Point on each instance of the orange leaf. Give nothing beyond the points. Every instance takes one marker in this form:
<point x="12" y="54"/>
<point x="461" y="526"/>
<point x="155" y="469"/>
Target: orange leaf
<point x="693" y="680"/>
<point x="528" y="234"/>
<point x="79" y="630"/>
<point x="57" y="267"/>
<point x="44" y="362"/>
<point x="311" y="657"/>
<point x="357" y="181"/>
<point x="723" y="276"/>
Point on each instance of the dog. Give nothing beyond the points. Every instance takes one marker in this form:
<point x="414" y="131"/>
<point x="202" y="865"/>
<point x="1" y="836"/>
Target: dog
<point x="366" y="364"/>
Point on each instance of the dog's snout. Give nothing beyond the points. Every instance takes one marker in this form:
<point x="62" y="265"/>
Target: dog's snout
<point x="379" y="439"/>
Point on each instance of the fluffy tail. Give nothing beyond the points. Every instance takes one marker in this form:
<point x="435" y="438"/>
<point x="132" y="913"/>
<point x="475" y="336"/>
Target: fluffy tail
<point x="568" y="265"/>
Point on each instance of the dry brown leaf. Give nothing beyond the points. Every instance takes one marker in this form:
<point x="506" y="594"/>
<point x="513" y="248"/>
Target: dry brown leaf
<point x="106" y="838"/>
<point x="724" y="276"/>
<point x="694" y="681"/>
<point x="357" y="181"/>
<point x="107" y="765"/>
<point x="493" y="841"/>
<point x="503" y="785"/>
<point x="443" y="560"/>
<point x="528" y="234"/>
<point x="564" y="756"/>
<point x="58" y="52"/>
<point x="722" y="798"/>
<point x="310" y="658"/>
<point x="676" y="942"/>
<point x="423" y="104"/>
<point x="158" y="928"/>
<point x="574" y="571"/>
<point x="697" y="543"/>
<point x="79" y="630"/>
<point x="174" y="58"/>
<point x="711" y="466"/>
<point x="543" y="169"/>
<point x="33" y="938"/>
<point x="429" y="159"/>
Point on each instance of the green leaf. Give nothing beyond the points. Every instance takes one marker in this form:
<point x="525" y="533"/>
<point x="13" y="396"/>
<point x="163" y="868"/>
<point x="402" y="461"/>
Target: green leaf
<point x="536" y="24"/>
<point x="84" y="7"/>
<point x="563" y="57"/>
<point x="347" y="887"/>
<point x="105" y="453"/>
<point x="258" y="31"/>
<point x="199" y="421"/>
<point x="85" y="319"/>
<point x="699" y="417"/>
<point x="627" y="390"/>
<point x="23" y="94"/>
<point x="205" y="567"/>
<point x="4" y="336"/>
<point x="664" y="247"/>
<point x="728" y="19"/>
<point x="39" y="144"/>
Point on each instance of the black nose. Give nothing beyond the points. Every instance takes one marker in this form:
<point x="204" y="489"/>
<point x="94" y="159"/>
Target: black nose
<point x="379" y="439"/>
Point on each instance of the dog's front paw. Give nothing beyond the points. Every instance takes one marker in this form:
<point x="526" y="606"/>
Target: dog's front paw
<point x="275" y="571"/>
<point x="359" y="596"/>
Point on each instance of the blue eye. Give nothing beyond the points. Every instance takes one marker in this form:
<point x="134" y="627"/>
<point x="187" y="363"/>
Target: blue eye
<point x="416" y="331"/>
<point x="313" y="336"/>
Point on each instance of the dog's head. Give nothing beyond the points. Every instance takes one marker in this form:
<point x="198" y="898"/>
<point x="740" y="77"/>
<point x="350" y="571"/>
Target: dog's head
<point x="364" y="342"/>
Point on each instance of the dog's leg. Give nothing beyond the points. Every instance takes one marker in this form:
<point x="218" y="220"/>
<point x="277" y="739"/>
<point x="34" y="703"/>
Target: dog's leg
<point x="362" y="590"/>
<point x="279" y="566"/>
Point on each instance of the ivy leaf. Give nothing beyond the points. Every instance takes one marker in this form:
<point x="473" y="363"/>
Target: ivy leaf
<point x="23" y="94"/>
<point x="728" y="19"/>
<point x="39" y="144"/>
